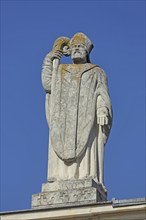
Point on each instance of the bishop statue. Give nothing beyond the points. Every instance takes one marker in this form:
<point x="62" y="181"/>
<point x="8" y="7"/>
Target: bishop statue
<point x="78" y="111"/>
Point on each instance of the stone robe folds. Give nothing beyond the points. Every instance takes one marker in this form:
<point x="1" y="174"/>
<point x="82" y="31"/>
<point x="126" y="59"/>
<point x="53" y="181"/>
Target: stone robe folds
<point x="75" y="95"/>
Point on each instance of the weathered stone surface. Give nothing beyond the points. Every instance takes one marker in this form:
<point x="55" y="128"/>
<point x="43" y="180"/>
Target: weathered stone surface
<point x="67" y="193"/>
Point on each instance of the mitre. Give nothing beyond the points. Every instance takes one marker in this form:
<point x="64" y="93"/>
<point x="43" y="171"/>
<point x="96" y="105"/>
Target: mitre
<point x="80" y="38"/>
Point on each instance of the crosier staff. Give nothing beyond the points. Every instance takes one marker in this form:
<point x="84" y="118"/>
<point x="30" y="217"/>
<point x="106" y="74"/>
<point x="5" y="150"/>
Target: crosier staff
<point x="60" y="48"/>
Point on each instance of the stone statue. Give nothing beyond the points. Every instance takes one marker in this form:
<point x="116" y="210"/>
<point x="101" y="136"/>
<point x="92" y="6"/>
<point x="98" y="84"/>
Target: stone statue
<point x="79" y="116"/>
<point x="78" y="111"/>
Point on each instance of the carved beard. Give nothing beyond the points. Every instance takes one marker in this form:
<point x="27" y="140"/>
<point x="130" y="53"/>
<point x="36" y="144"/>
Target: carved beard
<point x="78" y="57"/>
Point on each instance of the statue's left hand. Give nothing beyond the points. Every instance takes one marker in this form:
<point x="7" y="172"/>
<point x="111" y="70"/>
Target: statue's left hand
<point x="102" y="119"/>
<point x="102" y="116"/>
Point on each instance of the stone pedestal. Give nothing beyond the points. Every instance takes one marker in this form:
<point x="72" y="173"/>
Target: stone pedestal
<point x="68" y="193"/>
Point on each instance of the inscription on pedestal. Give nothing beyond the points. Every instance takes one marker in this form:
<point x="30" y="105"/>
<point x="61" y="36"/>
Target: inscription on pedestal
<point x="65" y="193"/>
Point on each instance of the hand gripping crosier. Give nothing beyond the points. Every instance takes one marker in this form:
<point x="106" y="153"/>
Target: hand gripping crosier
<point x="60" y="45"/>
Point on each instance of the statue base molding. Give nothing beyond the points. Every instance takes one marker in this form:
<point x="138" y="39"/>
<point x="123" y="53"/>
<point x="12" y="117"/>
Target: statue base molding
<point x="69" y="193"/>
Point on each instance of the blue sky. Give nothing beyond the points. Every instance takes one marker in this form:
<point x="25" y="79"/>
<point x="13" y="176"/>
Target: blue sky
<point x="28" y="31"/>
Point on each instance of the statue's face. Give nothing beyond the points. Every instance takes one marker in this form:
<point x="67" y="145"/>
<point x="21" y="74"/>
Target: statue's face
<point x="79" y="53"/>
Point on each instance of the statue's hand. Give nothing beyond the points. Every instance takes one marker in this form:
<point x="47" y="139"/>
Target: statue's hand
<point x="102" y="116"/>
<point x="56" y="54"/>
<point x="102" y="119"/>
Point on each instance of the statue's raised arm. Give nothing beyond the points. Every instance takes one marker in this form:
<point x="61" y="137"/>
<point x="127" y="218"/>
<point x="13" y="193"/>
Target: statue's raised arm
<point x="50" y="66"/>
